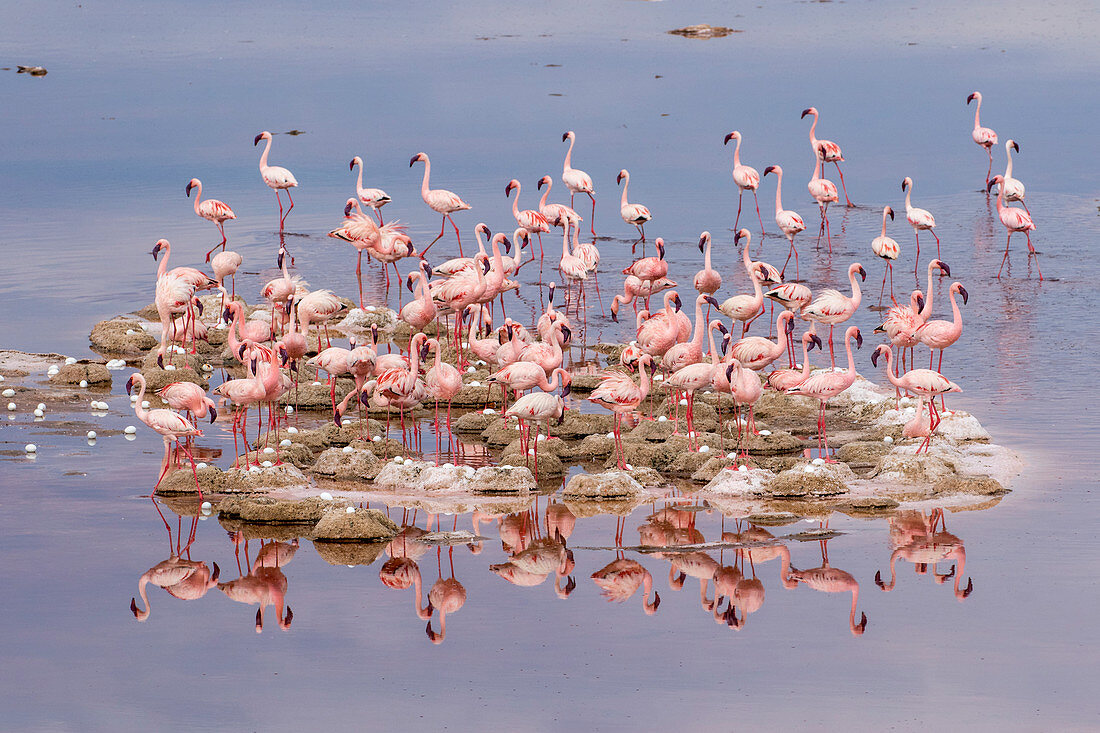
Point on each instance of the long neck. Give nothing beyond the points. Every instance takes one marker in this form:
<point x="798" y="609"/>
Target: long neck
<point x="198" y="188"/>
<point x="785" y="568"/>
<point x="758" y="292"/>
<point x="273" y="377"/>
<point x="139" y="409"/>
<point x="857" y="294"/>
<point x="359" y="178"/>
<point x="852" y="613"/>
<point x="737" y="153"/>
<point x="626" y="184"/>
<point x="498" y="261"/>
<point x="427" y="174"/>
<point x="956" y="316"/>
<point x="700" y="325"/>
<point x="576" y="238"/>
<point x="234" y="329"/>
<point x="813" y="136"/>
<point x="713" y="350"/>
<point x="926" y="313"/>
<point x="647" y="382"/>
<point x="817" y="169"/>
<point x="480" y="241"/>
<point x="706" y="257"/>
<point x="978" y="112"/>
<point x="908" y="194"/>
<point x="163" y="267"/>
<point x="545" y="195"/>
<point x="897" y="382"/>
<point x="439" y="354"/>
<point x="143" y="614"/>
<point x="851" y="359"/>
<point x="423" y="613"/>
<point x="647" y="588"/>
<point x="263" y="158"/>
<point x="805" y="360"/>
<point x="565" y="242"/>
<point x="569" y="155"/>
<point x="515" y="203"/>
<point x="422" y="290"/>
<point x="745" y="252"/>
<point x="883" y="223"/>
<point x="1008" y="168"/>
<point x="778" y="192"/>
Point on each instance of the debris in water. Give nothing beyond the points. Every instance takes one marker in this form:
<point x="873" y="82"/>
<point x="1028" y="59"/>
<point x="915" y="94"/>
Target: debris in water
<point x="704" y="31"/>
<point x="32" y="70"/>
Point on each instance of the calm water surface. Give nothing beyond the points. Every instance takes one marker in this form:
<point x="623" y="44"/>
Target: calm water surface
<point x="138" y="100"/>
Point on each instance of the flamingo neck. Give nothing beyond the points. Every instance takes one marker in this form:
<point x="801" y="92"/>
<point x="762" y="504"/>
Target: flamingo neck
<point x="851" y="359"/>
<point x="857" y="294"/>
<point x="926" y="313"/>
<point x="737" y="153"/>
<point x="143" y="614"/>
<point x="978" y="112"/>
<point x="883" y="224"/>
<point x="714" y="360"/>
<point x="263" y="157"/>
<point x="626" y="184"/>
<point x="1008" y="167"/>
<point x="647" y="382"/>
<point x="896" y="381"/>
<point x="359" y="179"/>
<point x="908" y="194"/>
<point x="163" y="267"/>
<point x="515" y="203"/>
<point x="545" y="195"/>
<point x="813" y="136"/>
<point x="565" y="243"/>
<point x="779" y="192"/>
<point x="198" y="188"/>
<point x="568" y="156"/>
<point x="805" y="373"/>
<point x="700" y="325"/>
<point x="427" y="175"/>
<point x="852" y="613"/>
<point x="956" y="315"/>
<point x="139" y="410"/>
<point x="706" y="257"/>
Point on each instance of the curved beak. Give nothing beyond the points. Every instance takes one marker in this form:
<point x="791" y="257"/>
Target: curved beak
<point x="541" y="181"/>
<point x="737" y="236"/>
<point x="859" y="339"/>
<point x="946" y="268"/>
<point x="661" y="250"/>
<point x="284" y="355"/>
<point x="257" y="140"/>
<point x="677" y="302"/>
<point x="129" y="385"/>
<point x="874" y="356"/>
<point x="351" y="165"/>
<point x="619" y="179"/>
<point x="614" y="315"/>
<point x="565" y="390"/>
<point x="485" y="267"/>
<point x="347" y="209"/>
<point x="790" y="326"/>
<point x="240" y="351"/>
<point x="160" y="360"/>
<point x="409" y="283"/>
<point x="964" y="294"/>
<point x="725" y="347"/>
<point x="414" y="159"/>
<point x="890" y="212"/>
<point x="564" y="136"/>
<point x="1015" y="146"/>
<point x="992" y="182"/>
<point x="279" y="260"/>
<point x="507" y="246"/>
<point x="213" y="415"/>
<point x="729" y="371"/>
<point x="227" y="315"/>
<point x="970" y="99"/>
<point x="711" y="300"/>
<point x="508" y="189"/>
<point x="188" y="189"/>
<point x="863" y="273"/>
<point x="156" y="251"/>
<point x="424" y="351"/>
<point x="769" y="169"/>
<point x="727" y="138"/>
<point x="722" y="328"/>
<point x="338" y="418"/>
<point x="815" y="340"/>
<point x="566" y="333"/>
<point x="920" y="302"/>
<point x="805" y="112"/>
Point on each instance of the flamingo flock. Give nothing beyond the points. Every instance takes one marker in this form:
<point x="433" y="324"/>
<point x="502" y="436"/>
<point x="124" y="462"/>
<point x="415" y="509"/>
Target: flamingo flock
<point x="458" y="301"/>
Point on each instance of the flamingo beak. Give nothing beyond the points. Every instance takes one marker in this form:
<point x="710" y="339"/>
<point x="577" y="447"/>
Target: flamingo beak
<point x="991" y="184"/>
<point x="723" y="329"/>
<point x="679" y="303"/>
<point x="946" y="269"/>
<point x="920" y="303"/>
<point x="1015" y="146"/>
<point x="970" y="99"/>
<point x="424" y="352"/>
<point x="890" y="212"/>
<point x="257" y="140"/>
<point x="769" y="169"/>
<point x="566" y="334"/>
<point x="565" y="390"/>
<point x="188" y="190"/>
<point x="213" y="415"/>
<point x="816" y="341"/>
<point x="289" y="306"/>
<point x="702" y="247"/>
<point x="409" y="283"/>
<point x="737" y="234"/>
<point x="863" y="273"/>
<point x="347" y="209"/>
<point x="859" y="339"/>
<point x="199" y="306"/>
<point x="726" y="346"/>
<point x="240" y="352"/>
<point x="619" y="179"/>
<point x="254" y="364"/>
<point x="964" y="294"/>
<point x="414" y="159"/>
<point x="227" y="315"/>
<point x="805" y="112"/>
<point x="903" y="185"/>
<point x="712" y="301"/>
<point x="364" y="398"/>
<point x="564" y="136"/>
<point x="729" y="371"/>
<point x="279" y="260"/>
<point x="790" y="326"/>
<point x="156" y="251"/>
<point x="284" y="356"/>
<point x="541" y="181"/>
<point x="561" y="417"/>
<point x="485" y="267"/>
<point x="728" y="138"/>
<point x="160" y="360"/>
<point x="338" y="419"/>
<point x="129" y="385"/>
<point x="615" y="316"/>
<point x="874" y="356"/>
<point x="507" y="246"/>
<point x="661" y="249"/>
<point x="351" y="165"/>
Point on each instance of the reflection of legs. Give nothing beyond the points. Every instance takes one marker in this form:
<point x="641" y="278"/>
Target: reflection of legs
<point x="1031" y="251"/>
<point x="1004" y="259"/>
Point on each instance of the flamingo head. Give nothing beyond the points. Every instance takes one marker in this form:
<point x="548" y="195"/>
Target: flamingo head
<point x="484" y="264"/>
<point x="944" y="267"/>
<point x="567" y="135"/>
<point x="815" y="340"/>
<point x="622" y="174"/>
<point x="415" y="158"/>
<point x="726" y="342"/>
<point x="920" y="301"/>
<point x="160" y="360"/>
<point x="129" y="384"/>
<point x="771" y="168"/>
<point x="545" y="180"/>
<point x="348" y="207"/>
<point x="354" y="162"/>
<point x="972" y="97"/>
<point x="809" y="111"/>
<point x="566" y="334"/>
<point x="763" y="272"/>
<point x="566" y="388"/>
<point x="788" y="326"/>
<point x="511" y="184"/>
<point x="213" y="418"/>
<point x="880" y="350"/>
<point x="957" y="287"/>
<point x="703" y="239"/>
<point x="735" y="135"/>
<point x="338" y="418"/>
<point x="1015" y="145"/>
<point x="284" y="355"/>
<point x="409" y="281"/>
<point x="425" y="347"/>
<point x="676" y="301"/>
<point x="161" y="244"/>
<point x="240" y="351"/>
<point x="856" y="267"/>
<point x="853" y="332"/>
<point x="195" y="183"/>
<point x="889" y="212"/>
<point x="660" y="248"/>
<point x="858" y="629"/>
<point x="711" y="300"/>
<point x="906" y="183"/>
<point x="615" y="311"/>
<point x="995" y="181"/>
<point x="730" y="368"/>
<point x="481" y="227"/>
<point x="265" y="135"/>
<point x="742" y="234"/>
<point x="279" y="259"/>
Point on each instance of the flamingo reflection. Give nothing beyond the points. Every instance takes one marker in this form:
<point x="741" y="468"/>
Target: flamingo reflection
<point x="185" y="579"/>
<point x="446" y="596"/>
<point x="533" y="565"/>
<point x="265" y="584"/>
<point x="620" y="578"/>
<point x="914" y="538"/>
<point x="828" y="579"/>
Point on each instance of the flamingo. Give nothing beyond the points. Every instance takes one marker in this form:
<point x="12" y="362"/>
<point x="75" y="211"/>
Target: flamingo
<point x="374" y="198"/>
<point x="824" y="385"/>
<point x="446" y="596"/>
<point x="361" y="364"/>
<point x="635" y="214"/>
<point x="225" y="264"/>
<point x="361" y="232"/>
<point x="921" y="382"/>
<point x="757" y="352"/>
<point x="708" y="280"/>
<point x="571" y="266"/>
<point x="746" y="389"/>
<point x="281" y="290"/>
<point x="1014" y="220"/>
<point x="318" y="307"/>
<point x="888" y="249"/>
<point x="901" y="323"/>
<point x="334" y="362"/>
<point x="928" y="547"/>
<point x="783" y="379"/>
<point x="170" y="425"/>
<point x="556" y="215"/>
<point x="919" y="219"/>
<point x="440" y="201"/>
<point x="576" y="180"/>
<point x="620" y="579"/>
<point x="240" y="330"/>
<point x="276" y="178"/>
<point x="827" y="151"/>
<point x="219" y="212"/>
<point x="535" y="407"/>
<point x="690" y="378"/>
<point x="393" y="245"/>
<point x="941" y="334"/>
<point x="244" y="393"/>
<point x="586" y="252"/>
<point x="772" y="275"/>
<point x="484" y="349"/>
<point x="264" y="586"/>
<point x="635" y="287"/>
<point x="788" y="221"/>
<point x="658" y="334"/>
<point x="190" y="397"/>
<point x="174" y="290"/>
<point x="745" y="177"/>
<point x="983" y="136"/>
<point x="794" y="297"/>
<point x="530" y="220"/>
<point x="461" y="291"/>
<point x="831" y="307"/>
<point x="400" y="387"/>
<point x="1014" y="188"/>
<point x="443" y="382"/>
<point x="650" y="268"/>
<point x="521" y="376"/>
<point x="420" y="311"/>
<point x="684" y="353"/>
<point x="824" y="192"/>
<point x="833" y="580"/>
<point x="917" y="427"/>
<point x="548" y="355"/>
<point x="550" y="316"/>
<point x="618" y="393"/>
<point x="746" y="308"/>
<point x="169" y="574"/>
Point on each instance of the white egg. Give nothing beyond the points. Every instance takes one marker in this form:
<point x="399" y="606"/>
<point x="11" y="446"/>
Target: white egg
<point x="170" y="368"/>
<point x="39" y="413"/>
<point x="611" y="435"/>
<point x="398" y="459"/>
<point x="30" y="448"/>
<point x="350" y="510"/>
<point x="475" y="383"/>
<point x="316" y="384"/>
<point x="83" y="383"/>
<point x="284" y="443"/>
<point x="629" y="467"/>
<point x="145" y="404"/>
<point x="326" y="496"/>
<point x="130" y="430"/>
<point x="470" y="370"/>
<point x="200" y="465"/>
<point x="11" y="406"/>
<point x="540" y="438"/>
<point x="743" y="468"/>
<point x="41" y="406"/>
<point x="269" y="450"/>
<point x="704" y="449"/>
<point x="253" y="469"/>
<point x="289" y="409"/>
<point x="662" y="418"/>
<point x="130" y="332"/>
<point x="207" y="368"/>
<point x="348" y="449"/>
<point x="133" y="398"/>
<point x="92" y="435"/>
<point x="765" y="433"/>
<point x="888" y="439"/>
<point x="809" y="469"/>
<point x="376" y="439"/>
<point x="488" y="411"/>
<point x="292" y="430"/>
<point x="70" y="360"/>
<point x="371" y="309"/>
<point x="658" y="377"/>
<point x="267" y="464"/>
<point x="206" y="506"/>
<point x="9" y="392"/>
<point x="818" y="461"/>
<point x="131" y="437"/>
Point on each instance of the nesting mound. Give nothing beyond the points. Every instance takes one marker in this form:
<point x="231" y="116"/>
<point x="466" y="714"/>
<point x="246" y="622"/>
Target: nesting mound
<point x="358" y="525"/>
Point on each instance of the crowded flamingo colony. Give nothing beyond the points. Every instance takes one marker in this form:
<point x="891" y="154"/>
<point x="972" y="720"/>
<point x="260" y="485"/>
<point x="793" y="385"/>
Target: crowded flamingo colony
<point x="717" y="389"/>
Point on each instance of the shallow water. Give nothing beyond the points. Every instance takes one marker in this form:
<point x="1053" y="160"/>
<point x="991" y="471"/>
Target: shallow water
<point x="137" y="101"/>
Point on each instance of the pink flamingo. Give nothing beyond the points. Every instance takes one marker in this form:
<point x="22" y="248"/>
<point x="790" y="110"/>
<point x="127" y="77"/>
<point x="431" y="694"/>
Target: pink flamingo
<point x="361" y="232"/>
<point x="550" y="316"/>
<point x="549" y="355"/>
<point x="826" y="150"/>
<point x="824" y="385"/>
<point x="746" y="308"/>
<point x="824" y="192"/>
<point x="650" y="268"/>
<point x="635" y="214"/>
<point x="264" y="586"/>
<point x="219" y="212"/>
<point x="684" y="353"/>
<point x="374" y="198"/>
<point x="174" y="289"/>
<point x="576" y="180"/>
<point x="571" y="266"/>
<point x="757" y="352"/>
<point x="634" y="288"/>
<point x="276" y="178"/>
<point x="446" y="596"/>
<point x="659" y="334"/>
<point x="484" y="349"/>
<point x="1014" y="220"/>
<point x="783" y="379"/>
<point x="521" y="376"/>
<point x="983" y="136"/>
<point x="318" y="307"/>
<point x="393" y="245"/>
<point x="901" y="323"/>
<point x="831" y="307"/>
<point x="534" y="408"/>
<point x="788" y="221"/>
<point x="827" y="579"/>
<point x="794" y="297"/>
<point x="225" y="264"/>
<point x="921" y="382"/>
<point x="244" y="393"/>
<point x="460" y="292"/>
<point x="917" y="427"/>
<point x="443" y="382"/>
<point x="170" y="425"/>
<point x="888" y="249"/>
<point x="334" y="362"/>
<point x="708" y="280"/>
<point x="420" y="311"/>
<point x="745" y="177"/>
<point x="692" y="377"/>
<point x="939" y="334"/>
<point x="401" y="386"/>
<point x="281" y="290"/>
<point x="620" y="579"/>
<point x="530" y="220"/>
<point x="440" y="201"/>
<point x="241" y="330"/>
<point x="746" y="390"/>
<point x="618" y="393"/>
<point x="1014" y="187"/>
<point x="772" y="276"/>
<point x="556" y="215"/>
<point x="172" y="574"/>
<point x="361" y="364"/>
<point x="189" y="397"/>
<point x="919" y="219"/>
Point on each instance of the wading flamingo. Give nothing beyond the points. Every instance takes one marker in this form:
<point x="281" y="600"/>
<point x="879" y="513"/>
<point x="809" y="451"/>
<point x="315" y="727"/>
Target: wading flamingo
<point x="439" y="200"/>
<point x="824" y="193"/>
<point x="576" y="180"/>
<point x="360" y="231"/>
<point x="940" y="334"/>
<point x="921" y="382"/>
<point x="191" y="398"/>
<point x="618" y="393"/>
<point x="919" y="219"/>
<point x="708" y="280"/>
<point x="219" y="212"/>
<point x="788" y="221"/>
<point x="827" y="151"/>
<point x="557" y="215"/>
<point x="533" y="222"/>
<point x="824" y="385"/>
<point x="745" y="177"/>
<point x="1014" y="220"/>
<point x="1013" y="187"/>
<point x="170" y="425"/>
<point x="276" y="178"/>
<point x="983" y="136"/>
<point x="888" y="249"/>
<point x="650" y="268"/>
<point x="831" y="307"/>
<point x="794" y="297"/>
<point x="635" y="214"/>
<point x="373" y="198"/>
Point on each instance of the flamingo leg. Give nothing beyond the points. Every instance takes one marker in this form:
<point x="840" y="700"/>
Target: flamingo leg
<point x="916" y="263"/>
<point x="759" y="218"/>
<point x="937" y="247"/>
<point x="1031" y="251"/>
<point x="280" y="200"/>
<point x="359" y="277"/>
<point x="447" y="217"/>
<point x="737" y="219"/>
<point x="593" y="221"/>
<point x="843" y="187"/>
<point x="1004" y="259"/>
<point x="442" y="229"/>
<point x="288" y="210"/>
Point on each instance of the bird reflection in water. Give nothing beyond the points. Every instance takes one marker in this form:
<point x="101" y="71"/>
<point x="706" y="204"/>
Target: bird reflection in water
<point x="923" y="540"/>
<point x="446" y="596"/>
<point x="827" y="579"/>
<point x="401" y="570"/>
<point x="265" y="584"/>
<point x="740" y="591"/>
<point x="534" y="557"/>
<point x="185" y="579"/>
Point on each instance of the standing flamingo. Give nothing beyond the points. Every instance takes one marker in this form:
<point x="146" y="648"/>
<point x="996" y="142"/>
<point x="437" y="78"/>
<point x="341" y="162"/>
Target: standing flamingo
<point x="634" y="287"/>
<point x="191" y="398"/>
<point x="827" y="151"/>
<point x="746" y="308"/>
<point x="888" y="249"/>
<point x="225" y="264"/>
<point x="831" y="307"/>
<point x="530" y="220"/>
<point x="983" y="136"/>
<point x="921" y="382"/>
<point x="635" y="214"/>
<point x="557" y="215"/>
<point x="534" y="408"/>
<point x="708" y="280"/>
<point x="443" y="382"/>
<point x="783" y="379"/>
<point x="824" y="192"/>
<point x="919" y="219"/>
<point x="757" y="352"/>
<point x="374" y="198"/>
<point x="361" y="232"/>
<point x="318" y="307"/>
<point x="941" y="334"/>
<point x="1013" y="187"/>
<point x="690" y="352"/>
<point x="745" y="177"/>
<point x="170" y="425"/>
<point x="618" y="393"/>
<point x="420" y="311"/>
<point x="795" y="297"/>
<point x="788" y="221"/>
<point x="824" y="385"/>
<point x="219" y="212"/>
<point x="576" y="180"/>
<point x="440" y="201"/>
<point x="1014" y="220"/>
<point x="276" y="178"/>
